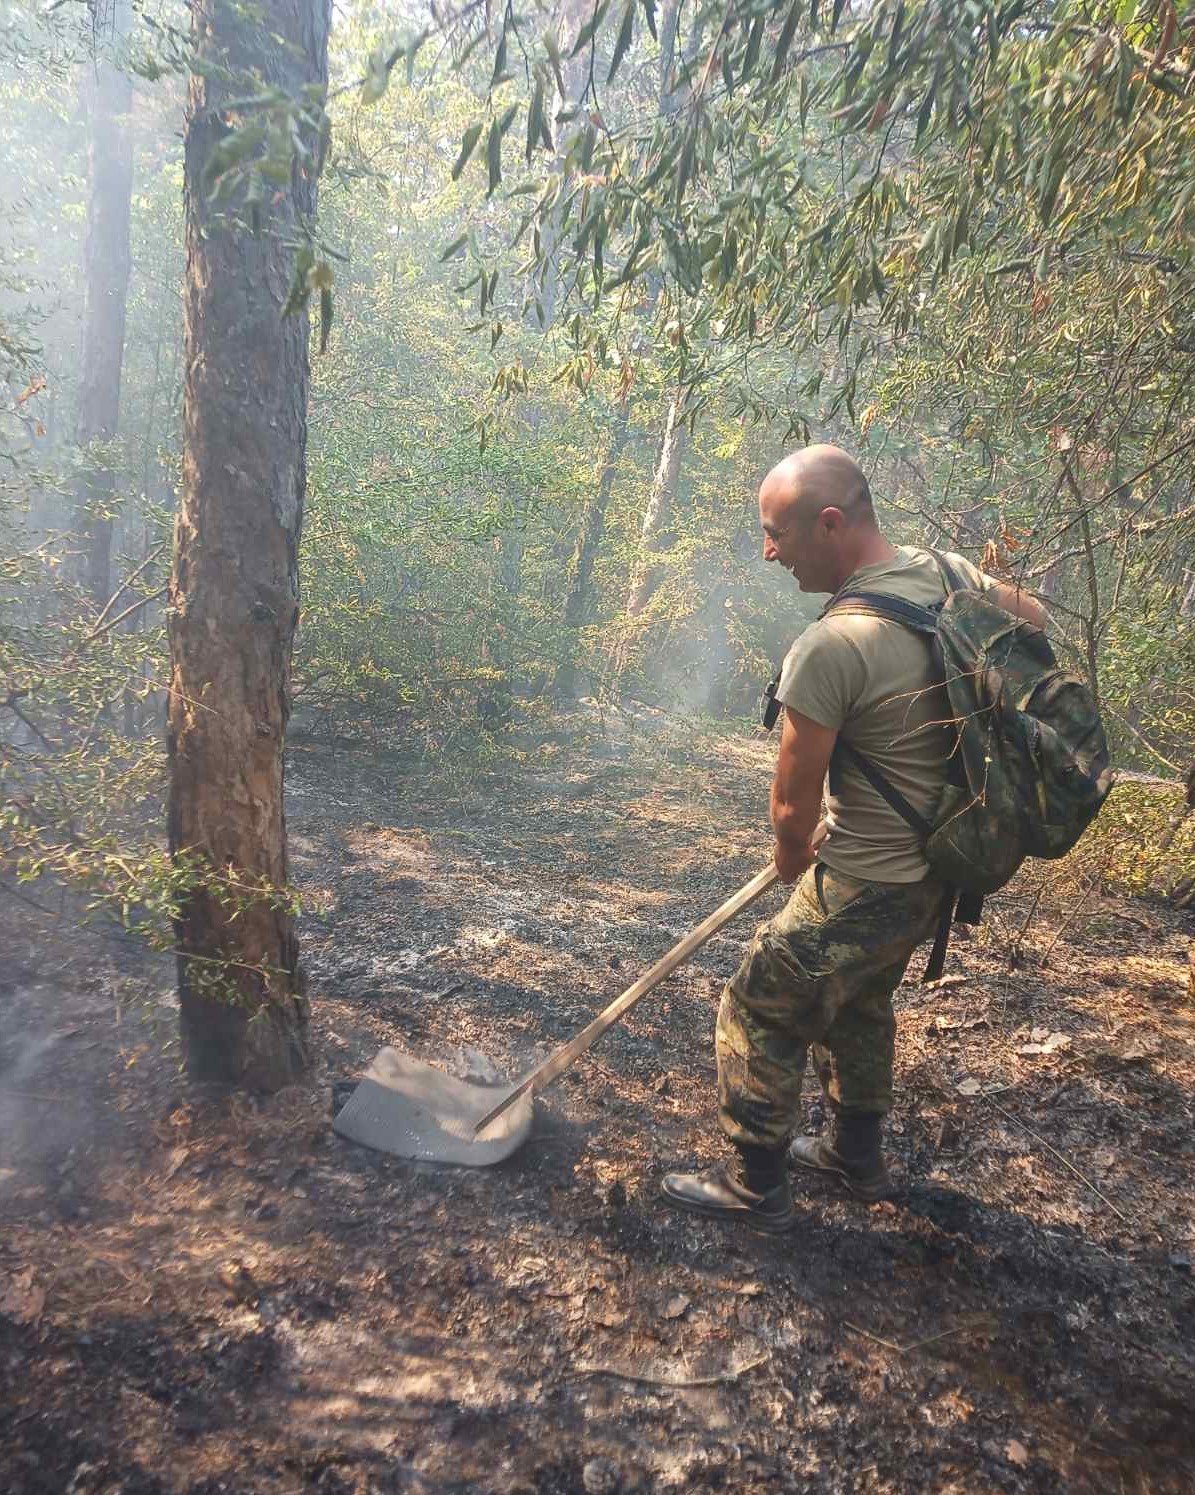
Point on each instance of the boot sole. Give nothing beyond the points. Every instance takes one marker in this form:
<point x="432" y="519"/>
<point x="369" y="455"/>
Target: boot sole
<point x="759" y="1223"/>
<point x="868" y="1193"/>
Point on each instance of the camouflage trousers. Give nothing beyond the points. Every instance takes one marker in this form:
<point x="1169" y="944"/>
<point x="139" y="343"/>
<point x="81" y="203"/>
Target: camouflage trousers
<point x="819" y="975"/>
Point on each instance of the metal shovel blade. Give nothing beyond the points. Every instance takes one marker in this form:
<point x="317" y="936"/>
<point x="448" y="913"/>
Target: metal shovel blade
<point x="412" y="1110"/>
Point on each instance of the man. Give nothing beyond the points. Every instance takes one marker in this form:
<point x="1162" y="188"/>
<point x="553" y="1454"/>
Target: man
<point x="821" y="973"/>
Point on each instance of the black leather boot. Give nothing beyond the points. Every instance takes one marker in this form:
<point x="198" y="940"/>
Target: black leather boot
<point x="854" y="1155"/>
<point x="754" y="1188"/>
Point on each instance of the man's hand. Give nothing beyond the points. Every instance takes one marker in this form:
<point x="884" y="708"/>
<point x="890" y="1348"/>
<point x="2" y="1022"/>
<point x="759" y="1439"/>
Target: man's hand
<point x="805" y="748"/>
<point x="791" y="863"/>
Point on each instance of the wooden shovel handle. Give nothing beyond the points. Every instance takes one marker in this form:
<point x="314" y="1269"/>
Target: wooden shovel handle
<point x="539" y="1078"/>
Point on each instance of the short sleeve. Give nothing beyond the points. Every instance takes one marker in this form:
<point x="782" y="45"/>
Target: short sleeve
<point x="971" y="573"/>
<point x="823" y="676"/>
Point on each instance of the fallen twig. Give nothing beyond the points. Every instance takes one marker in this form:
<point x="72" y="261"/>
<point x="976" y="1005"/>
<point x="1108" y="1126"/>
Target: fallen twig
<point x="726" y="1378"/>
<point x="905" y="1349"/>
<point x="920" y="1344"/>
<point x="1065" y="1161"/>
<point x="875" y="1338"/>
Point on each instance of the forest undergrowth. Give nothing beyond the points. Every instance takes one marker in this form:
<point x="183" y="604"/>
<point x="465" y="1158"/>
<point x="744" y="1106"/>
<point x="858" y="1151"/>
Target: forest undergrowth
<point x="204" y="1292"/>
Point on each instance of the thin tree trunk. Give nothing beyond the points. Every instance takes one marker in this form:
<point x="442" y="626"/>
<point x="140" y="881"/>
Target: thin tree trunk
<point x="234" y="589"/>
<point x="593" y="526"/>
<point x="659" y="507"/>
<point x="133" y="713"/>
<point x="668" y="25"/>
<point x="109" y="97"/>
<point x="673" y="94"/>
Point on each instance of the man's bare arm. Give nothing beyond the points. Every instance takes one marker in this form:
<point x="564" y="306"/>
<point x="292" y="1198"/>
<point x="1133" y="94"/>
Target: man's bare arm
<point x="805" y="748"/>
<point x="1019" y="603"/>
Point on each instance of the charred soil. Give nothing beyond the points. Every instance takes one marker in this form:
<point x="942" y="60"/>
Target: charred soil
<point x="205" y="1293"/>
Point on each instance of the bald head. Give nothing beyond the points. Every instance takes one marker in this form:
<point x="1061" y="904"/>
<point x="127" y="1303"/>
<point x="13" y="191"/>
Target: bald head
<point x="817" y="518"/>
<point x="816" y="478"/>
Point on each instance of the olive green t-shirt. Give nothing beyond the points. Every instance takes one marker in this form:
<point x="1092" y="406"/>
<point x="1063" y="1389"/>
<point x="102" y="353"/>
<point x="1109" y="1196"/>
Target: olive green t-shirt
<point x="872" y="680"/>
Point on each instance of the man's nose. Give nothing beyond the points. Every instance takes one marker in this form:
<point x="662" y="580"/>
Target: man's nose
<point x="769" y="548"/>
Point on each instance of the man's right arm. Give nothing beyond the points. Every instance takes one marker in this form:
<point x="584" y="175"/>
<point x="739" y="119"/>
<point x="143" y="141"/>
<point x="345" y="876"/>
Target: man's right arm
<point x="1018" y="602"/>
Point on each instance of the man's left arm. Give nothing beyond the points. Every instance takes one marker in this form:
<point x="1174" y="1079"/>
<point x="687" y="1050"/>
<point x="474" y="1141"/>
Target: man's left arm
<point x="805" y="748"/>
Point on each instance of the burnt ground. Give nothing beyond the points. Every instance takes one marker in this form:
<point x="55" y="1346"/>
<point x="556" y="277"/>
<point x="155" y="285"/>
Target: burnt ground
<point x="215" y="1294"/>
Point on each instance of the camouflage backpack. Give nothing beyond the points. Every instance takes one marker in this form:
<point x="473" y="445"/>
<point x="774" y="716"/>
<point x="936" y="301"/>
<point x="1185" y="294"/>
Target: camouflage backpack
<point x="1029" y="769"/>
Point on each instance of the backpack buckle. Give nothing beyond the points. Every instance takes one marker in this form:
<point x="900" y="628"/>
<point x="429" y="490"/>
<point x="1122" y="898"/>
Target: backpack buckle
<point x="769" y="705"/>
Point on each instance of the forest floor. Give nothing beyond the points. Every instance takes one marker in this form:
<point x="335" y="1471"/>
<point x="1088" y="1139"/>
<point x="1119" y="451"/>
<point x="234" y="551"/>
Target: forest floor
<point x="211" y="1294"/>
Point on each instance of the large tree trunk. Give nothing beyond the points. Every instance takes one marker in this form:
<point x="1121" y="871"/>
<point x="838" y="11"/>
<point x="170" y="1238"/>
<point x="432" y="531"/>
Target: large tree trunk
<point x="593" y="525"/>
<point x="234" y="589"/>
<point x="108" y="96"/>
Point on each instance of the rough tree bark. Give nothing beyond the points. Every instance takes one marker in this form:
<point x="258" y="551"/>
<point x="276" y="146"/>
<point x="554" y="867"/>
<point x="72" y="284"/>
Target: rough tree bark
<point x="234" y="588"/>
<point x="108" y="98"/>
<point x="1191" y="946"/>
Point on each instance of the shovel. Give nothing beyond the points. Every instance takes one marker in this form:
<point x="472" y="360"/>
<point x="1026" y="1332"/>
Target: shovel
<point x="409" y="1108"/>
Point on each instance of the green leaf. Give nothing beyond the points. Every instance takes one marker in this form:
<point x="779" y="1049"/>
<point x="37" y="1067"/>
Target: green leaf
<point x="649" y="15"/>
<point x="751" y="55"/>
<point x="468" y="146"/>
<point x="836" y="15"/>
<point x="455" y="247"/>
<point x="1054" y="171"/>
<point x="898" y="26"/>
<point x="688" y="157"/>
<point x="927" y="107"/>
<point x="535" y="118"/>
<point x="493" y="158"/>
<point x="499" y="58"/>
<point x="1125" y="91"/>
<point x="493" y="149"/>
<point x="234" y="148"/>
<point x="626" y="32"/>
<point x="785" y="40"/>
<point x="589" y="30"/>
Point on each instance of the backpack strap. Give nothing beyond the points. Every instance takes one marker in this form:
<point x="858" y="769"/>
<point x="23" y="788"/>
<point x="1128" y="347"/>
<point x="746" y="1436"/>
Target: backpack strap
<point x="885" y="788"/>
<point x="880" y="605"/>
<point x="888" y="792"/>
<point x="923" y="620"/>
<point x="952" y="578"/>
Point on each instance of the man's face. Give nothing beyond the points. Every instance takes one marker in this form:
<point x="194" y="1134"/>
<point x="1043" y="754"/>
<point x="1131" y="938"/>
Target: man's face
<point x="798" y="544"/>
